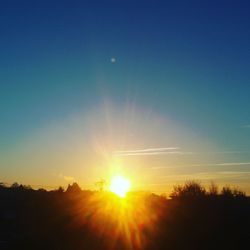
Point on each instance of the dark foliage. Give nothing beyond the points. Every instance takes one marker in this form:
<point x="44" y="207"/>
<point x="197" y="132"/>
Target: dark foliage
<point x="70" y="220"/>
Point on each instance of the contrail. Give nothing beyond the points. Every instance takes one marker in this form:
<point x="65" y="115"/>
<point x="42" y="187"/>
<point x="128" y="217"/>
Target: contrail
<point x="145" y="150"/>
<point x="152" y="151"/>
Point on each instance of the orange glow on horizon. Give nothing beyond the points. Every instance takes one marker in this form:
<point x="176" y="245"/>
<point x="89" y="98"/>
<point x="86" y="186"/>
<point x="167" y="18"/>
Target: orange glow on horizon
<point x="123" y="221"/>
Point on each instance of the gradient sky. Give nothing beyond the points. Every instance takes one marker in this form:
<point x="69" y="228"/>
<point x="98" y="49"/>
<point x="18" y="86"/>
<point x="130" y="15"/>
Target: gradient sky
<point x="155" y="90"/>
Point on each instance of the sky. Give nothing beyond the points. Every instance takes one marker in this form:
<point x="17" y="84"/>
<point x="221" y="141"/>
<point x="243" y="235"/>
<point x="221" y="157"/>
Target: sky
<point x="155" y="90"/>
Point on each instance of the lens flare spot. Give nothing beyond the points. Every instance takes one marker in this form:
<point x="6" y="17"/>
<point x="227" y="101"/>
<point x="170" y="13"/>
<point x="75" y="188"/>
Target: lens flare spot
<point x="120" y="186"/>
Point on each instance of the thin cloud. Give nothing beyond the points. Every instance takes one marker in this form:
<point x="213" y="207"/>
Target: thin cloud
<point x="222" y="164"/>
<point x="168" y="150"/>
<point x="228" y="152"/>
<point x="205" y="165"/>
<point x="66" y="178"/>
<point x="146" y="150"/>
<point x="164" y="167"/>
<point x="209" y="175"/>
<point x="246" y="126"/>
<point x="151" y="151"/>
<point x="155" y="153"/>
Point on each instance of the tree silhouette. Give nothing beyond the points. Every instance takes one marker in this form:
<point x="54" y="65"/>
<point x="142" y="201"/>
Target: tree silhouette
<point x="229" y="192"/>
<point x="213" y="189"/>
<point x="74" y="188"/>
<point x="101" y="184"/>
<point x="15" y="185"/>
<point x="191" y="189"/>
<point x="60" y="190"/>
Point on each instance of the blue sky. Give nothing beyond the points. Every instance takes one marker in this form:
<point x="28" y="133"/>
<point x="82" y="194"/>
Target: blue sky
<point x="187" y="61"/>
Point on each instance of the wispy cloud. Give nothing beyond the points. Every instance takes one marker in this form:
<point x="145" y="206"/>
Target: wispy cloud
<point x="228" y="152"/>
<point x="155" y="153"/>
<point x="147" y="150"/>
<point x="66" y="177"/>
<point x="246" y="126"/>
<point x="169" y="151"/>
<point x="205" y="165"/>
<point x="222" y="164"/>
<point x="151" y="151"/>
<point x="209" y="175"/>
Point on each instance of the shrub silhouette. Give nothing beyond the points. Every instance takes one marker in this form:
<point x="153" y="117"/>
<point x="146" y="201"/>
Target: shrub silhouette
<point x="15" y="185"/>
<point x="61" y="189"/>
<point x="191" y="189"/>
<point x="229" y="192"/>
<point x="213" y="189"/>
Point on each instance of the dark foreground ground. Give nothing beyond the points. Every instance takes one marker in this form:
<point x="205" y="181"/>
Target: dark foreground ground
<point x="76" y="219"/>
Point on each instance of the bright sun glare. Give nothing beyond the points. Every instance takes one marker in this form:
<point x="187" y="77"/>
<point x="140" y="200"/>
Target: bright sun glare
<point x="120" y="186"/>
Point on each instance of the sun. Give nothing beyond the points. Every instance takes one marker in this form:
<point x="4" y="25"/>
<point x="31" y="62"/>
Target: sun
<point x="120" y="186"/>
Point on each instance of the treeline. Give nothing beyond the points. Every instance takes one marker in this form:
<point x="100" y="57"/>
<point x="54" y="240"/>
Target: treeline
<point x="193" y="189"/>
<point x="189" y="189"/>
<point x="193" y="217"/>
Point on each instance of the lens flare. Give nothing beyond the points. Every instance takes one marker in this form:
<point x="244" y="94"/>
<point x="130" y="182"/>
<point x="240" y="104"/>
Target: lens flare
<point x="120" y="186"/>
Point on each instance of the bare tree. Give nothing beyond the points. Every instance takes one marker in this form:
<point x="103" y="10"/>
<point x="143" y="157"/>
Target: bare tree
<point x="101" y="184"/>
